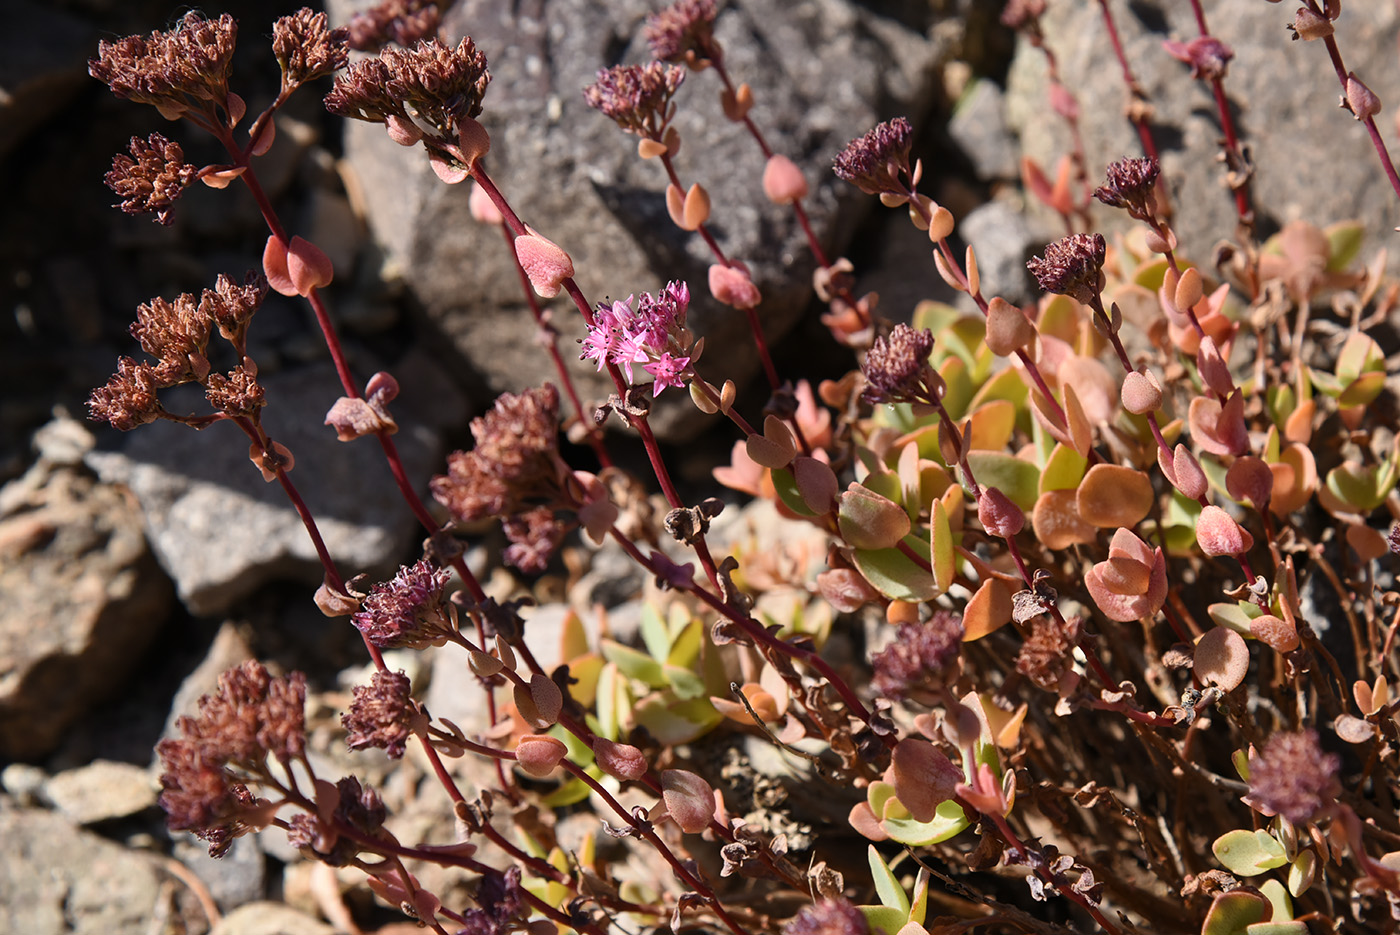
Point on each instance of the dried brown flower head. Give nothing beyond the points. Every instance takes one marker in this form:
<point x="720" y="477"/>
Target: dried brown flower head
<point x="637" y="97"/>
<point x="401" y="22"/>
<point x="874" y="162"/>
<point x="179" y="70"/>
<point x="828" y="917"/>
<point x="897" y="368"/>
<point x="515" y="463"/>
<point x="129" y="398"/>
<point x="231" y="305"/>
<point x="430" y="85"/>
<point x="307" y="48"/>
<point x="177" y="335"/>
<point x="534" y="535"/>
<point x="237" y="394"/>
<point x="411" y="610"/>
<point x="152" y="178"/>
<point x="1292" y="777"/>
<point x="1046" y="655"/>
<point x="356" y="806"/>
<point x="251" y="716"/>
<point x="381" y="714"/>
<point x="918" y="657"/>
<point x="686" y="26"/>
<point x="1072" y="266"/>
<point x="1130" y="185"/>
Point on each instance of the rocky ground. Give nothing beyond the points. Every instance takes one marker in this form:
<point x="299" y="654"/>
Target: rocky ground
<point x="136" y="568"/>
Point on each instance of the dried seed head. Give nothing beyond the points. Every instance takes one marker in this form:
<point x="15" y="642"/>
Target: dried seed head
<point x="1130" y="185"/>
<point x="874" y="162"/>
<point x="185" y="68"/>
<point x="919" y="656"/>
<point x="431" y="85"/>
<point x="897" y="368"/>
<point x="684" y="27"/>
<point x="307" y="48"/>
<point x="1072" y="266"/>
<point x="408" y="611"/>
<point x="828" y="917"/>
<point x="381" y="714"/>
<point x="637" y="97"/>
<point x="152" y="178"/>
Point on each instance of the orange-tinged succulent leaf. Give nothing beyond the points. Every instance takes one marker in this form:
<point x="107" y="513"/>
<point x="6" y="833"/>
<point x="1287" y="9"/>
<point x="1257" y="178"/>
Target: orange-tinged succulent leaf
<point x="987" y="611"/>
<point x="1273" y="632"/>
<point x="1295" y="480"/>
<point x="689" y="800"/>
<point x="1112" y="495"/>
<point x="1057" y="522"/>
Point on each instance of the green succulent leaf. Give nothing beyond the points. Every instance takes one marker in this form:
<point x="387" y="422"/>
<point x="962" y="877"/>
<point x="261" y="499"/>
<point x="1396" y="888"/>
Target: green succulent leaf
<point x="894" y="575"/>
<point x="883" y="920"/>
<point x="1018" y="479"/>
<point x="887" y="887"/>
<point x="633" y="663"/>
<point x="948" y="822"/>
<point x="1344" y="239"/>
<point x="786" y="486"/>
<point x="1064" y="469"/>
<point x="1231" y="913"/>
<point x="1249" y="853"/>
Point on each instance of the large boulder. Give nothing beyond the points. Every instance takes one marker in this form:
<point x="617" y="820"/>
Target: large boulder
<point x="822" y="73"/>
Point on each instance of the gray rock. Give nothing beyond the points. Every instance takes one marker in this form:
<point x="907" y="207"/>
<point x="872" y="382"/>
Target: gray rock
<point x="1313" y="160"/>
<point x="1003" y="241"/>
<point x="266" y="918"/>
<point x="234" y="880"/>
<point x="571" y="173"/>
<point x="220" y="531"/>
<point x="83" y="599"/>
<point x="101" y="791"/>
<point x="978" y="126"/>
<point x="57" y="880"/>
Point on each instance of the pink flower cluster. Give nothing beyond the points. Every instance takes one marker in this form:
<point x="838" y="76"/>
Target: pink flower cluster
<point x="653" y="335"/>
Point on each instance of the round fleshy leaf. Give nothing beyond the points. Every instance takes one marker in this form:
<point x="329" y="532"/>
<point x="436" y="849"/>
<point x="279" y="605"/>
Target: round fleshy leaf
<point x="817" y="484"/>
<point x="1219" y="429"/>
<point x="998" y="515"/>
<point x="1274" y="632"/>
<point x="1008" y="328"/>
<point x="1017" y="478"/>
<point x="689" y="800"/>
<point x="1218" y="534"/>
<point x="275" y="267"/>
<point x="1250" y="479"/>
<point x="1231" y="913"/>
<point x="546" y="265"/>
<point x="1249" y="853"/>
<point x="538" y="754"/>
<point x="1141" y="392"/>
<point x="1222" y="658"/>
<point x="1112" y="495"/>
<point x="732" y="286"/>
<point x="863" y="820"/>
<point x="308" y="266"/>
<point x="870" y="521"/>
<point x="1057" y="522"/>
<point x="1295" y="479"/>
<point x="619" y="759"/>
<point x="923" y="777"/>
<point x="549" y="700"/>
<point x="482" y="208"/>
<point x="783" y="181"/>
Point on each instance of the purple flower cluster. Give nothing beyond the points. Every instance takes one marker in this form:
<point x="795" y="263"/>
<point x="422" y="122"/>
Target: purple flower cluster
<point x="653" y="335"/>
